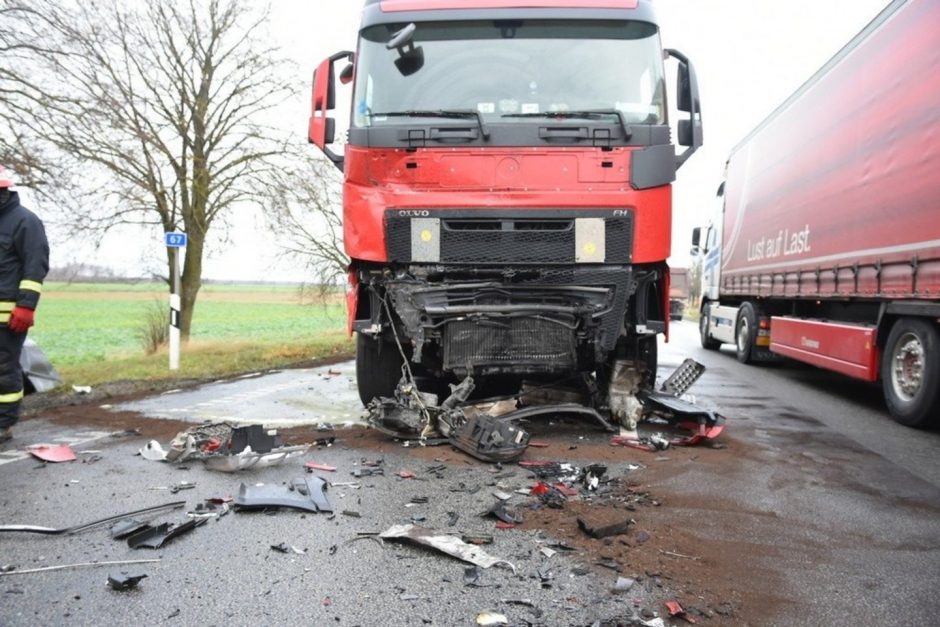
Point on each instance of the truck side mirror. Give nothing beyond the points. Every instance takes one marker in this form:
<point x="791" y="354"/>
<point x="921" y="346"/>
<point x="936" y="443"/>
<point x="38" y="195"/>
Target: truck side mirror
<point x="346" y="76"/>
<point x="696" y="236"/>
<point x="687" y="99"/>
<point x="322" y="128"/>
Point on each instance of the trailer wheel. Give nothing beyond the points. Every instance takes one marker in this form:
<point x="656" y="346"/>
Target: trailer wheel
<point x="378" y="367"/>
<point x="910" y="372"/>
<point x="746" y="333"/>
<point x="708" y="343"/>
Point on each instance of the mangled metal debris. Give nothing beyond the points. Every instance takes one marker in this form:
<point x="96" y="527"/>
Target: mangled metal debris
<point x="225" y="447"/>
<point x="74" y="529"/>
<point x="450" y="545"/>
<point x="306" y="493"/>
<point x="489" y="429"/>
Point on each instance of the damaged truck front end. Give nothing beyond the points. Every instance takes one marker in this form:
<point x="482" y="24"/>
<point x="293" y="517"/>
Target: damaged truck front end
<point x="507" y="209"/>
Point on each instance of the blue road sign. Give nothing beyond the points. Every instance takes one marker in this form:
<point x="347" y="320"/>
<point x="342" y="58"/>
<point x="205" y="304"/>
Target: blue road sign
<point x="175" y="240"/>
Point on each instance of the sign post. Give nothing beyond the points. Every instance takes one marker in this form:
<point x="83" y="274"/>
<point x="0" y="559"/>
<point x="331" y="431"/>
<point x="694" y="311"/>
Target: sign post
<point x="175" y="241"/>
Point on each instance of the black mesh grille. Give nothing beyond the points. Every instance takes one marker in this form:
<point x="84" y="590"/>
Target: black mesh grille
<point x="517" y="342"/>
<point x="483" y="236"/>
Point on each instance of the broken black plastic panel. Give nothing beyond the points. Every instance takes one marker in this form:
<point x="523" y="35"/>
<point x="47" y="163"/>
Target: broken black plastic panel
<point x="305" y="493"/>
<point x="124" y="581"/>
<point x="155" y="537"/>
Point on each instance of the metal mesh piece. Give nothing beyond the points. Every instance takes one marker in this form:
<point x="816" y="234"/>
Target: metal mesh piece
<point x="517" y="341"/>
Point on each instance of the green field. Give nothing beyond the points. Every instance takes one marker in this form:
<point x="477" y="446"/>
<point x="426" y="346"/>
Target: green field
<point x="95" y="331"/>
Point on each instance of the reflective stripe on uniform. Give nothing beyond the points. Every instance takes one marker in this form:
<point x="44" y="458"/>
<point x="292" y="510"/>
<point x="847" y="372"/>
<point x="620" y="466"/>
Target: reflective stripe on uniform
<point x="4" y="317"/>
<point x="7" y="306"/>
<point x="35" y="286"/>
<point x="12" y="397"/>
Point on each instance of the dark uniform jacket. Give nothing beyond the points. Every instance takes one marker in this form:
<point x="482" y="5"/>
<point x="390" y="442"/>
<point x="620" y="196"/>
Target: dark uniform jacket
<point x="24" y="257"/>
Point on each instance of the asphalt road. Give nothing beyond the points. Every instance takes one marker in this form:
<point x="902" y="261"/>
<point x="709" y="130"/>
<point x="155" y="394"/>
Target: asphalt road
<point x="823" y="511"/>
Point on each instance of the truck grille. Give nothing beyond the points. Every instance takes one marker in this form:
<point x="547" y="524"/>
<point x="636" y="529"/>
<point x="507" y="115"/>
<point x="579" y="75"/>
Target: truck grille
<point x="523" y="341"/>
<point x="480" y="236"/>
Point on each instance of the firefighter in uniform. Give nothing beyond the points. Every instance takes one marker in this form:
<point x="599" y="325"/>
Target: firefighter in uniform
<point x="24" y="262"/>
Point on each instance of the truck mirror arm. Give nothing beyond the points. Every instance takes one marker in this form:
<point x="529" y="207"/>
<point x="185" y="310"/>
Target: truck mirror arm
<point x="690" y="130"/>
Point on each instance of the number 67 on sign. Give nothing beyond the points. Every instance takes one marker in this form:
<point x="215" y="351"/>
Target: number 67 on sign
<point x="175" y="240"/>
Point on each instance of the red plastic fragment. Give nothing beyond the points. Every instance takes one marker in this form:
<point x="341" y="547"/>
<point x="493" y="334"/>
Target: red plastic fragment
<point x="316" y="466"/>
<point x="535" y="463"/>
<point x="676" y="610"/>
<point x="327" y="602"/>
<point x="505" y="525"/>
<point x="406" y="474"/>
<point x="213" y="444"/>
<point x="561" y="487"/>
<point x="538" y="444"/>
<point x="55" y="454"/>
<point x="539" y="488"/>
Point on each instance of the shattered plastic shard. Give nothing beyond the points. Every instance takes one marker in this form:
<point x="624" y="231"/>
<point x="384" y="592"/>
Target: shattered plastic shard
<point x="153" y="451"/>
<point x="451" y="545"/>
<point x="123" y="581"/>
<point x="55" y="454"/>
<point x="491" y="618"/>
<point x="155" y="537"/>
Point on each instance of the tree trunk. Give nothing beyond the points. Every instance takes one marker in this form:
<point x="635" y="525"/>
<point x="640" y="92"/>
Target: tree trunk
<point x="191" y="281"/>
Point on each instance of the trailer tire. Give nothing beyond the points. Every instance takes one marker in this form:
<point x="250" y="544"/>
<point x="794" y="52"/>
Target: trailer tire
<point x="745" y="334"/>
<point x="378" y="367"/>
<point x="910" y="372"/>
<point x="704" y="320"/>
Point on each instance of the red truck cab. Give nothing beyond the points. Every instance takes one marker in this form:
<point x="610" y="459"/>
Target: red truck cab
<point x="507" y="187"/>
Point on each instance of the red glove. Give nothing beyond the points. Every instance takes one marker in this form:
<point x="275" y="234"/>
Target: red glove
<point x="21" y="319"/>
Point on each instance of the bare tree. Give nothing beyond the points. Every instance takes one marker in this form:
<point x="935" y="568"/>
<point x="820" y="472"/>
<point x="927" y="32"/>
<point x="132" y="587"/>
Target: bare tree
<point x="305" y="212"/>
<point x="153" y="112"/>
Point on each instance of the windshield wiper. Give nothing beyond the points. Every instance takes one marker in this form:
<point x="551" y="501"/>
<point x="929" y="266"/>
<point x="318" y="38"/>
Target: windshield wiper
<point x="440" y="113"/>
<point x="587" y="114"/>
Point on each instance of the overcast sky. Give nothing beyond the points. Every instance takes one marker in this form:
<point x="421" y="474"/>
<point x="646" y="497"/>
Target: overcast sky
<point x="749" y="55"/>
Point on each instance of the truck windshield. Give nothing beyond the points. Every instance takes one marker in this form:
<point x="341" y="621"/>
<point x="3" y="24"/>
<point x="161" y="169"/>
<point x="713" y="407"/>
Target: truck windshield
<point x="503" y="69"/>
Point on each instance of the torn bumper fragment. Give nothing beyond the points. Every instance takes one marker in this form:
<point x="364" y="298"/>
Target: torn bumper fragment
<point x="306" y="493"/>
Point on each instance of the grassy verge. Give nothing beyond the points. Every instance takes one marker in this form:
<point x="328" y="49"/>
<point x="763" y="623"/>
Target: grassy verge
<point x="93" y="333"/>
<point x="200" y="360"/>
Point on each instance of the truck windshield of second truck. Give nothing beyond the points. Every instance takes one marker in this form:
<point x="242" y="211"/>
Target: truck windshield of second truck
<point x="509" y="71"/>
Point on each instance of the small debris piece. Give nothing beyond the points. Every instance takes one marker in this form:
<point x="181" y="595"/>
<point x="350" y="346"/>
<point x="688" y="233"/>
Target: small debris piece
<point x="505" y="525"/>
<point x="603" y="529"/>
<point x="502" y="496"/>
<point x="538" y="444"/>
<point x="451" y="545"/>
<point x="418" y="500"/>
<point x="351" y="513"/>
<point x="547" y="552"/>
<point x="53" y="454"/>
<point x="325" y="441"/>
<point x="643" y="537"/>
<point x="281" y="548"/>
<point x="452" y="518"/>
<point x="311" y="466"/>
<point x="408" y="597"/>
<point x="623" y="584"/>
<point x="676" y="611"/>
<point x="656" y="622"/>
<point x="368" y="472"/>
<point x="478" y="538"/>
<point x="491" y="618"/>
<point x="123" y="581"/>
<point x="499" y="510"/>
<point x="406" y="474"/>
<point x="305" y="493"/>
<point x="7" y="568"/>
<point x="79" y="565"/>
<point x="81" y="389"/>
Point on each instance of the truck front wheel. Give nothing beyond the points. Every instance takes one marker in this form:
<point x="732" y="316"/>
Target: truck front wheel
<point x="378" y="367"/>
<point x="703" y="322"/>
<point x="910" y="372"/>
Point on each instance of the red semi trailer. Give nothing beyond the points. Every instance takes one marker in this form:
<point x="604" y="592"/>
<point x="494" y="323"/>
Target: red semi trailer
<point x="507" y="188"/>
<point x="827" y="249"/>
